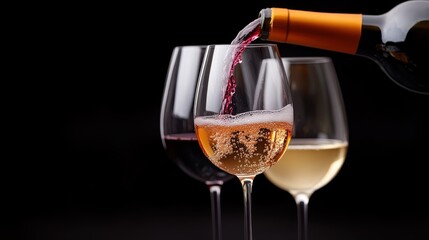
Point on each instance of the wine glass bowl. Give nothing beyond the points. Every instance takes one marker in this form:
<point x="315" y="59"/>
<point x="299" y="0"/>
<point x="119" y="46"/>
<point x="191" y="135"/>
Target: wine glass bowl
<point x="243" y="112"/>
<point x="177" y="126"/>
<point x="319" y="142"/>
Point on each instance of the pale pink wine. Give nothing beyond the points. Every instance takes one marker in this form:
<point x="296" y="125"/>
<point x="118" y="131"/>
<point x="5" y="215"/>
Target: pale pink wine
<point x="308" y="165"/>
<point x="184" y="150"/>
<point x="246" y="144"/>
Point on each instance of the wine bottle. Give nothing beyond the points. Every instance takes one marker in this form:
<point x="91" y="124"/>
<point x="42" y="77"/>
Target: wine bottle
<point x="398" y="40"/>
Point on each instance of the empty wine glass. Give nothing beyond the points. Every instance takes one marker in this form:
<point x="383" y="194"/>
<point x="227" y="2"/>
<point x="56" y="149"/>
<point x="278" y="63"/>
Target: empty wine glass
<point x="243" y="112"/>
<point x="177" y="127"/>
<point x="320" y="139"/>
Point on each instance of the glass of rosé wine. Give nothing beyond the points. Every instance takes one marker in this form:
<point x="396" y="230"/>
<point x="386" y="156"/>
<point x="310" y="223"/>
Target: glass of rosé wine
<point x="177" y="127"/>
<point x="243" y="112"/>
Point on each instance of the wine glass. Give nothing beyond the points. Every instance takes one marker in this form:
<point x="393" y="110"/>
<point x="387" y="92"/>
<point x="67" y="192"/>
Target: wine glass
<point x="320" y="139"/>
<point x="177" y="127"/>
<point x="243" y="112"/>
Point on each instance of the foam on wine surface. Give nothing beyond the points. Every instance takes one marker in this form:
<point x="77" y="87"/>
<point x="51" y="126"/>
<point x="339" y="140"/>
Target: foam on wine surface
<point x="262" y="116"/>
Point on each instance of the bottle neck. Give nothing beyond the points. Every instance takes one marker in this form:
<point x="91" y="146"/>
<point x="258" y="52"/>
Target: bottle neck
<point x="338" y="32"/>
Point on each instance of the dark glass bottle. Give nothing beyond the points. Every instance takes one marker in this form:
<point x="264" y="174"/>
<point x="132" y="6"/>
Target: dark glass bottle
<point x="398" y="41"/>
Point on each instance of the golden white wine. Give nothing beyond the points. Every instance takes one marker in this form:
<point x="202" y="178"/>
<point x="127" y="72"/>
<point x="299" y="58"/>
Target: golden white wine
<point x="308" y="165"/>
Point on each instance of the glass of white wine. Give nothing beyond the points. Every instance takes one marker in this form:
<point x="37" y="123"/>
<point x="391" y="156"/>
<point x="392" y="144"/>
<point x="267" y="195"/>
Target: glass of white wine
<point x="319" y="142"/>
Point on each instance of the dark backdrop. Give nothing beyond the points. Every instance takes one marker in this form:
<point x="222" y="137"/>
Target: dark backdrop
<point x="84" y="159"/>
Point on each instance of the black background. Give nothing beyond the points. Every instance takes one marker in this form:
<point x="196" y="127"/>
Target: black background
<point x="83" y="157"/>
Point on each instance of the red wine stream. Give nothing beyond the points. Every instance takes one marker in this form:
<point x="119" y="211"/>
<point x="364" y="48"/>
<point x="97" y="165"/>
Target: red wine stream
<point x="246" y="36"/>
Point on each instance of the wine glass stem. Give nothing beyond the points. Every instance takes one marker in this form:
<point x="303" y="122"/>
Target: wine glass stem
<point x="247" y="190"/>
<point x="302" y="208"/>
<point x="216" y="212"/>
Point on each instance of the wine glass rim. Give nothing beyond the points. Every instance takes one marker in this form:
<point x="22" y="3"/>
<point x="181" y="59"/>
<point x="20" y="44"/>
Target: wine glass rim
<point x="308" y="59"/>
<point x="191" y="46"/>
<point x="251" y="45"/>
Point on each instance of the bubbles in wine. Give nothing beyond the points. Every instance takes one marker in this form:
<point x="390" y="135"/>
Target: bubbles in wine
<point x="248" y="143"/>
